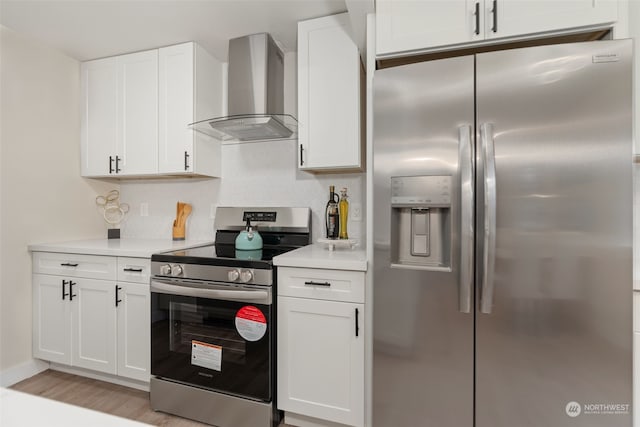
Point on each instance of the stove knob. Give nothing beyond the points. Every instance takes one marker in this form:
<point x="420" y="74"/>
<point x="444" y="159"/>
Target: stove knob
<point x="176" y="270"/>
<point x="246" y="276"/>
<point x="165" y="270"/>
<point x="233" y="275"/>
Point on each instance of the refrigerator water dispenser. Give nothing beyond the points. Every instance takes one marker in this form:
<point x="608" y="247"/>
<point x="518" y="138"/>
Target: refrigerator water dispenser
<point x="421" y="222"/>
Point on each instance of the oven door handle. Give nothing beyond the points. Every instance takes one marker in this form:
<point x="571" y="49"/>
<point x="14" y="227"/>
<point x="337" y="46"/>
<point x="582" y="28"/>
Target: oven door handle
<point x="219" y="294"/>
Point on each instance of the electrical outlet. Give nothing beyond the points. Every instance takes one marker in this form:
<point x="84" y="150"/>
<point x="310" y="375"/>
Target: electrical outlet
<point x="356" y="212"/>
<point x="144" y="209"/>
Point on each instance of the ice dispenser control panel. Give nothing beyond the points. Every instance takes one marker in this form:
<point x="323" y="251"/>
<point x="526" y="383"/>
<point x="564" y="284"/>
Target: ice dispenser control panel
<point x="421" y="222"/>
<point x="421" y="190"/>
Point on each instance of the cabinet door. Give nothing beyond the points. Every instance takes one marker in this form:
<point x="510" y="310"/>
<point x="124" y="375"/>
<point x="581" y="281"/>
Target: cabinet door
<point x="93" y="316"/>
<point x="51" y="319"/>
<point x="99" y="123"/>
<point x="134" y="324"/>
<point x="404" y="25"/>
<point x="176" y="76"/>
<point x="516" y="17"/>
<point x="321" y="360"/>
<point x="137" y="149"/>
<point x="328" y="95"/>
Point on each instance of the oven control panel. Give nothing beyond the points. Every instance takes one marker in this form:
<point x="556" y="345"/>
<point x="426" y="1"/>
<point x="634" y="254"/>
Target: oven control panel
<point x="213" y="273"/>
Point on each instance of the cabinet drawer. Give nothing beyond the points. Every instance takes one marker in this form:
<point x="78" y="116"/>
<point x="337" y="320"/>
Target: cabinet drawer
<point x="334" y="285"/>
<point x="74" y="265"/>
<point x="134" y="270"/>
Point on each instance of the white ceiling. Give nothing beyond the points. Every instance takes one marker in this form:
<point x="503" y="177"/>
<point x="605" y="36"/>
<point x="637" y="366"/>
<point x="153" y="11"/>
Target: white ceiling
<point x="89" y="29"/>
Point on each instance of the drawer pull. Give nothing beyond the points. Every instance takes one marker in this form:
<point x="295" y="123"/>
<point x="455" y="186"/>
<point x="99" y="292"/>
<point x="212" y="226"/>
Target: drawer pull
<point x="312" y="283"/>
<point x="135" y="270"/>
<point x="68" y="264"/>
<point x="357" y="324"/>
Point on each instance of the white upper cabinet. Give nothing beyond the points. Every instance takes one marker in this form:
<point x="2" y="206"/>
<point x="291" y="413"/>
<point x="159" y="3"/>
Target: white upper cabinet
<point x="515" y="17"/>
<point x="99" y="124"/>
<point x="413" y="25"/>
<point x="190" y="91"/>
<point x="329" y="96"/>
<point x="119" y="131"/>
<point x="137" y="108"/>
<point x="404" y="25"/>
<point x="138" y="89"/>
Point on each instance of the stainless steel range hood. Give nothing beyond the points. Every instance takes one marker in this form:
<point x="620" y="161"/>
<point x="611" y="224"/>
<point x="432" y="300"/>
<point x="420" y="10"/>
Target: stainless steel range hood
<point x="256" y="94"/>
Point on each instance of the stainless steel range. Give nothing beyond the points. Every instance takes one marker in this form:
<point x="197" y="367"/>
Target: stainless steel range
<point x="213" y="321"/>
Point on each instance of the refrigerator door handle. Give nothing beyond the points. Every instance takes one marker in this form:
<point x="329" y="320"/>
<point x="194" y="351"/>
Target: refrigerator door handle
<point x="465" y="160"/>
<point x="489" y="244"/>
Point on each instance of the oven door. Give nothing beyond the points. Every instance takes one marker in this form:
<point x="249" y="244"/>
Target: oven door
<point x="216" y="336"/>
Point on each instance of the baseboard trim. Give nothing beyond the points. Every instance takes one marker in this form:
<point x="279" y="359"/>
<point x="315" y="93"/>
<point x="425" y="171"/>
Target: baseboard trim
<point x="21" y="372"/>
<point x="298" y="420"/>
<point x="139" y="385"/>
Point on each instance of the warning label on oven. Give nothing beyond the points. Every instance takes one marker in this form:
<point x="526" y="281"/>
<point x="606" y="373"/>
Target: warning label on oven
<point x="251" y="323"/>
<point x="206" y="355"/>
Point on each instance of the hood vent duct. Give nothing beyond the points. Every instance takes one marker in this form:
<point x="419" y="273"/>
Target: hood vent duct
<point x="255" y="92"/>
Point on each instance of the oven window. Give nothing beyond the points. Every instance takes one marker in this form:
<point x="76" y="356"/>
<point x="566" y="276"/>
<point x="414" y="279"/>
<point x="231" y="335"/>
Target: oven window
<point x="200" y="341"/>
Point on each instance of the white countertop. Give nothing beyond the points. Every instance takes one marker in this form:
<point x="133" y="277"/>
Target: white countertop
<point x="319" y="256"/>
<point x="19" y="409"/>
<point x="139" y="248"/>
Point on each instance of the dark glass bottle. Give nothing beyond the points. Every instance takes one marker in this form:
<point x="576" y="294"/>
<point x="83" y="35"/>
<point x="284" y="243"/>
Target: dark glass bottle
<point x="332" y="216"/>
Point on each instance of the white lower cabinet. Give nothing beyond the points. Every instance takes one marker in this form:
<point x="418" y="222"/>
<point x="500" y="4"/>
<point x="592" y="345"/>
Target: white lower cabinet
<point x="321" y="346"/>
<point x="73" y="322"/>
<point x="321" y="359"/>
<point x="93" y="325"/>
<point x="51" y="320"/>
<point x="134" y="337"/>
<point x="97" y="324"/>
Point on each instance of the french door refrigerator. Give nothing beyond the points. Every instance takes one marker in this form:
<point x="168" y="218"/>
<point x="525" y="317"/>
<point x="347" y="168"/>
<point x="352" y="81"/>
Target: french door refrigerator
<point x="502" y="239"/>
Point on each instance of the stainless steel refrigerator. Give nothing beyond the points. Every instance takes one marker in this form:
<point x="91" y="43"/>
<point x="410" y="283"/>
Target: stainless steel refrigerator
<point x="502" y="239"/>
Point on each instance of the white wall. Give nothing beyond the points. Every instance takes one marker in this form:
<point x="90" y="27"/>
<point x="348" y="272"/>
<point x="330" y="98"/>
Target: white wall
<point x="43" y="196"/>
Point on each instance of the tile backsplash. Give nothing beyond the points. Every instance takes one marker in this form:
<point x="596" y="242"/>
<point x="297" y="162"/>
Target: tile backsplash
<point x="253" y="174"/>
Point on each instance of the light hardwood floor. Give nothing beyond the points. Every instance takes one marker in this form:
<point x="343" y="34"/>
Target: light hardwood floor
<point x="100" y="396"/>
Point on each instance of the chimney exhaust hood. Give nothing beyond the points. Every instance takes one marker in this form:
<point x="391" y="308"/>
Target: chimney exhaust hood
<point x="255" y="92"/>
